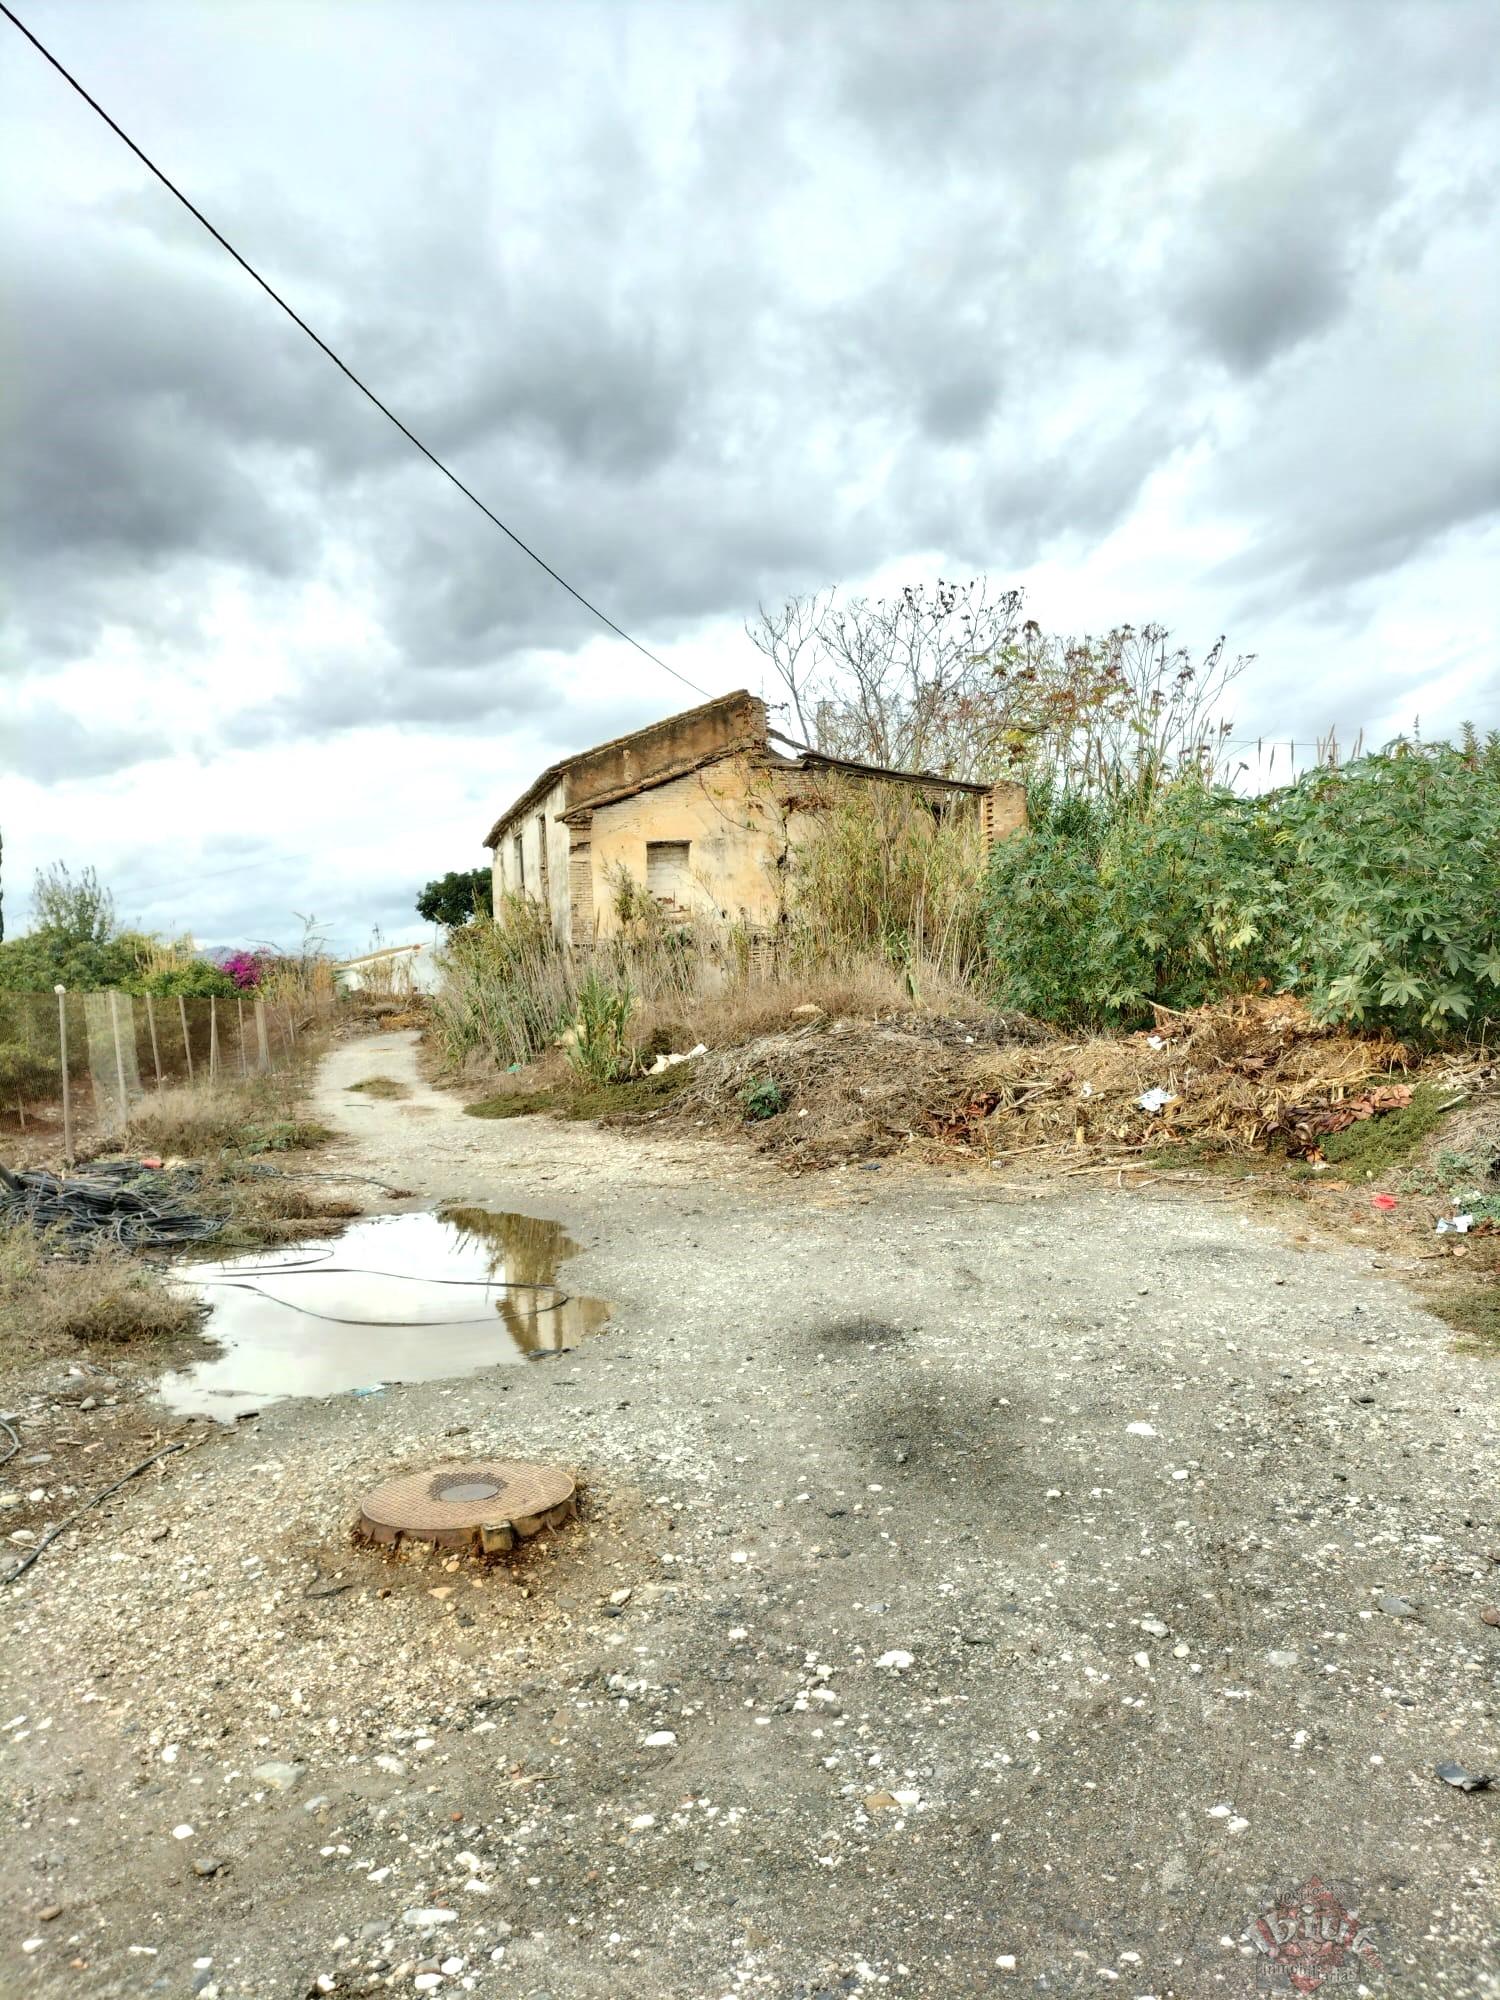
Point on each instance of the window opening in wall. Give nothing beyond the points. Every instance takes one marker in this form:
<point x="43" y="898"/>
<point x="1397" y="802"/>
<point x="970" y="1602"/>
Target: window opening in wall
<point x="520" y="864"/>
<point x="541" y="849"/>
<point x="668" y="877"/>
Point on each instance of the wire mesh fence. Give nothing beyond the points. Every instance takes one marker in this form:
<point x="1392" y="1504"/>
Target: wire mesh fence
<point x="80" y="1062"/>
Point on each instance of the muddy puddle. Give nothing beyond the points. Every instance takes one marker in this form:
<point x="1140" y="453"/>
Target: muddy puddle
<point x="391" y="1298"/>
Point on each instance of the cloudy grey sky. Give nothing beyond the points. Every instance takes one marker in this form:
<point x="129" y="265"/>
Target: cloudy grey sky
<point x="1173" y="311"/>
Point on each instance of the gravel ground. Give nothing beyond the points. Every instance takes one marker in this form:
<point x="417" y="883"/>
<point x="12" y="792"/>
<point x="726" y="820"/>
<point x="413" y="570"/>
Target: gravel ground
<point x="1019" y="1592"/>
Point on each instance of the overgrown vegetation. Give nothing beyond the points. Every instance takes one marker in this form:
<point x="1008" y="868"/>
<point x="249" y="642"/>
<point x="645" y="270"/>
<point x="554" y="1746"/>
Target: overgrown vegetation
<point x="263" y="1115"/>
<point x="880" y="875"/>
<point x="597" y="1046"/>
<point x="508" y="987"/>
<point x="49" y="1301"/>
<point x="1146" y="886"/>
<point x="1373" y="890"/>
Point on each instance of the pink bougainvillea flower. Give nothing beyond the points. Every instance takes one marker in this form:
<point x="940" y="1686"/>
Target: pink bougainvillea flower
<point x="244" y="968"/>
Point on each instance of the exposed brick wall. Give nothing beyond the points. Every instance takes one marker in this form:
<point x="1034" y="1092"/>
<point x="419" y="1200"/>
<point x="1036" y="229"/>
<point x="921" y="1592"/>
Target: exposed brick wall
<point x="1002" y="811"/>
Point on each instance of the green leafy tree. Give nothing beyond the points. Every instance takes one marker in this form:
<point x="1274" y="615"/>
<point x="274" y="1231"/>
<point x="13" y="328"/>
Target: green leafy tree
<point x="197" y="979"/>
<point x="75" y="941"/>
<point x="453" y="899"/>
<point x="76" y="908"/>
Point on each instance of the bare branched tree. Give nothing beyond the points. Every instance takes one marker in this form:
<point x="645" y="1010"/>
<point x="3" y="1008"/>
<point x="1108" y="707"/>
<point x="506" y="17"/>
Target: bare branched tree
<point x="952" y="680"/>
<point x="904" y="681"/>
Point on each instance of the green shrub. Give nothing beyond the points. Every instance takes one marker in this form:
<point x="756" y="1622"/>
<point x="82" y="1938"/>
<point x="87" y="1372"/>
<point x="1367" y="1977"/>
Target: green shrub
<point x="1392" y="868"/>
<point x="599" y="1049"/>
<point x="1102" y="908"/>
<point x="49" y="957"/>
<point x="27" y="1072"/>
<point x="763" y="1097"/>
<point x="1372" y="890"/>
<point x="195" y="979"/>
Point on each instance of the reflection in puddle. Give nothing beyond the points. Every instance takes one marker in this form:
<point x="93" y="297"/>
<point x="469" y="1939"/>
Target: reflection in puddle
<point x="394" y="1298"/>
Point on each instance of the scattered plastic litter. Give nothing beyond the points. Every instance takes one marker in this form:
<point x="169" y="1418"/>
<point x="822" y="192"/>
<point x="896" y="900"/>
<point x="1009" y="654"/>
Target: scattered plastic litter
<point x="1156" y="1099"/>
<point x="664" y="1062"/>
<point x="1459" y="1225"/>
<point x="1156" y="1041"/>
<point x="1462" y="1780"/>
<point x="1383" y="1201"/>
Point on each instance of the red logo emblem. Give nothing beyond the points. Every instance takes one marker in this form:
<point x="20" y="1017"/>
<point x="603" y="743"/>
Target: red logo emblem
<point x="1310" y="1937"/>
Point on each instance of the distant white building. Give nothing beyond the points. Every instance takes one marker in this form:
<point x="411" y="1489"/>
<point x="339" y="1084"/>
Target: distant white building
<point x="397" y="969"/>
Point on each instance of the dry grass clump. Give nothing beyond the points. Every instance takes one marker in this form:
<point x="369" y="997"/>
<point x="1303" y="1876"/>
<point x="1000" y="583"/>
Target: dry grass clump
<point x="381" y="1086"/>
<point x="260" y="1207"/>
<point x="1238" y="1076"/>
<point x="254" y="1117"/>
<point x="48" y="1300"/>
<point x="864" y="989"/>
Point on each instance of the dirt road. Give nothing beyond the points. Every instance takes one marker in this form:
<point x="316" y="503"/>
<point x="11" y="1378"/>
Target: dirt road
<point x="1020" y="1592"/>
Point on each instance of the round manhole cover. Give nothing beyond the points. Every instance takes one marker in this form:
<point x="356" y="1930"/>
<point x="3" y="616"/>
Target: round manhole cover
<point x="485" y="1507"/>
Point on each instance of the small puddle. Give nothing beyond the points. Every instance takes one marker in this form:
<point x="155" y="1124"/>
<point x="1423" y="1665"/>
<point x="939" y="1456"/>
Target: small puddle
<point x="392" y="1298"/>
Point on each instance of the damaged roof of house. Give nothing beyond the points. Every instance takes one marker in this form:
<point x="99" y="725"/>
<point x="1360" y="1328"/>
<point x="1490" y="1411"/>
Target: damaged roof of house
<point x="724" y="727"/>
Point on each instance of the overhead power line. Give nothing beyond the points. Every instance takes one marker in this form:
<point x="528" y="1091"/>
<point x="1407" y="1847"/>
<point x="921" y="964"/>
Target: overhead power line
<point x="343" y="367"/>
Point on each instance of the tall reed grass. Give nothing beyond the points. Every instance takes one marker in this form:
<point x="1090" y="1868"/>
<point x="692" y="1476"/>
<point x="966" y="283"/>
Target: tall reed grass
<point x="884" y="915"/>
<point x="880" y="875"/>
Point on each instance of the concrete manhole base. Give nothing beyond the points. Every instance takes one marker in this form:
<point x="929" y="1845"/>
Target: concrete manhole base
<point x="482" y="1506"/>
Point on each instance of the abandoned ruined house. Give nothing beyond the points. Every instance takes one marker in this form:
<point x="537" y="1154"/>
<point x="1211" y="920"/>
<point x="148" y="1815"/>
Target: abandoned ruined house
<point x="701" y="811"/>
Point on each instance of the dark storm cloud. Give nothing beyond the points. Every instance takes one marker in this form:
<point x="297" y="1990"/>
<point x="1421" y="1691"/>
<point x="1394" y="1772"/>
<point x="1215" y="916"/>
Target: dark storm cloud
<point x="891" y="281"/>
<point x="1258" y="294"/>
<point x="1380" y="536"/>
<point x="48" y="742"/>
<point x="351" y="695"/>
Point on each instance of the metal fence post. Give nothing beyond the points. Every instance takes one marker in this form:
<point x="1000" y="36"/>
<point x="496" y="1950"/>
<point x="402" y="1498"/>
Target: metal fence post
<point x="239" y="1001"/>
<point x="155" y="1051"/>
<point x="114" y="1022"/>
<point x="67" y="1098"/>
<point x="213" y="1040"/>
<point x="187" y="1040"/>
<point x="262" y="1037"/>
